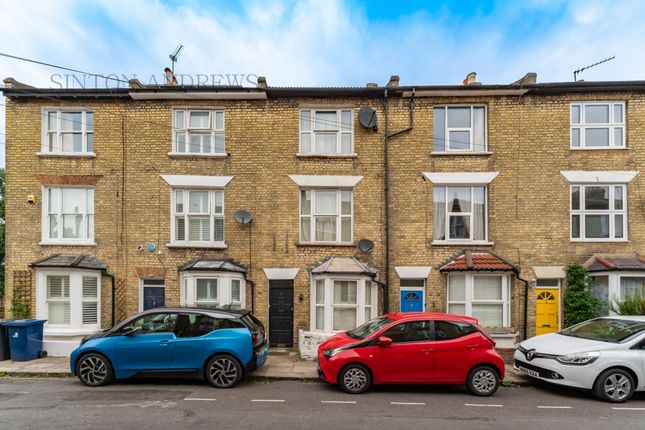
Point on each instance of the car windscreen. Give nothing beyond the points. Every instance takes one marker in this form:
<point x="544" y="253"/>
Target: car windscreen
<point x="605" y="329"/>
<point x="369" y="328"/>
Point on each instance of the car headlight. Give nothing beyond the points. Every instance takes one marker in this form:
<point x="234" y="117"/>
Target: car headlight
<point x="329" y="353"/>
<point x="579" y="358"/>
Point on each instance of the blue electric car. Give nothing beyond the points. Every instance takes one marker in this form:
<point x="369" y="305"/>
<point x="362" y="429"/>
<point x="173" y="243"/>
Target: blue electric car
<point x="220" y="345"/>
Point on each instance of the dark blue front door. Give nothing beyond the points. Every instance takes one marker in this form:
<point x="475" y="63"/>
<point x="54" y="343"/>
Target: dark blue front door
<point x="411" y="301"/>
<point x="153" y="297"/>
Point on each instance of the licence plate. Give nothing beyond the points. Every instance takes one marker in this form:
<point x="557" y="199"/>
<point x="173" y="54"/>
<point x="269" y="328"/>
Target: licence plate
<point x="529" y="372"/>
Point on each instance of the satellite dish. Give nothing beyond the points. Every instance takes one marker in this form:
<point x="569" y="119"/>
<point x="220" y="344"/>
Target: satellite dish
<point x="367" y="118"/>
<point x="243" y="217"/>
<point x="365" y="245"/>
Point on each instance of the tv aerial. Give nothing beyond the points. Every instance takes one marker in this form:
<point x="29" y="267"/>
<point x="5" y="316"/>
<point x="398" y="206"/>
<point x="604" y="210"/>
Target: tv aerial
<point x="174" y="55"/>
<point x="582" y="69"/>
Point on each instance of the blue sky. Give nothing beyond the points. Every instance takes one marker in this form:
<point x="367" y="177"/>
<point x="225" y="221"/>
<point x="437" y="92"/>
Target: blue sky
<point x="325" y="42"/>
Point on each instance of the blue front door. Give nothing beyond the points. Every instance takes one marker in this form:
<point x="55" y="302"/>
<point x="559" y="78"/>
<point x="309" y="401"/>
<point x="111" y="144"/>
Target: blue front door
<point x="411" y="301"/>
<point x="153" y="297"/>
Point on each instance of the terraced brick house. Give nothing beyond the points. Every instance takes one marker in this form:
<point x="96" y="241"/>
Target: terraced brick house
<point x="321" y="208"/>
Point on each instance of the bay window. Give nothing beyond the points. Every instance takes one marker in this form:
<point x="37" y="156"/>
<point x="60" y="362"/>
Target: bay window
<point x="598" y="212"/>
<point x="68" y="132"/>
<point x="597" y="125"/>
<point x="459" y="129"/>
<point x="326" y="216"/>
<point x="199" y="131"/>
<point x="482" y="296"/>
<point x="459" y="213"/>
<point x="326" y="132"/>
<point x="616" y="286"/>
<point x="198" y="217"/>
<point x="342" y="303"/>
<point x="68" y="215"/>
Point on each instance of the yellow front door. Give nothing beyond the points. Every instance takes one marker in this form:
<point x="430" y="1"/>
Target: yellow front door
<point x="546" y="310"/>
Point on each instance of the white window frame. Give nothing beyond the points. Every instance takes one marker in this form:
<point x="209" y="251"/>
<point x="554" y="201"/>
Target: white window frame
<point x="308" y="131"/>
<point x="212" y="243"/>
<point x="362" y="282"/>
<point x="186" y="130"/>
<point x="447" y="214"/>
<point x="470" y="291"/>
<point x="313" y="215"/>
<point x="447" y="130"/>
<point x="613" y="283"/>
<point x="142" y="286"/>
<point x="188" y="291"/>
<point x="611" y="212"/>
<point x="76" y="300"/>
<point x="58" y="146"/>
<point x="612" y="125"/>
<point x="87" y="237"/>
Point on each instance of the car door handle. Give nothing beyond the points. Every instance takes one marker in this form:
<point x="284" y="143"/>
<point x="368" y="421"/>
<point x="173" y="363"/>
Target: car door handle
<point x="427" y="350"/>
<point x="165" y="342"/>
<point x="472" y="345"/>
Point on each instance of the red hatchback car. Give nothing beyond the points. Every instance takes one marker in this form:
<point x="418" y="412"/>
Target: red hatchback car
<point x="413" y="348"/>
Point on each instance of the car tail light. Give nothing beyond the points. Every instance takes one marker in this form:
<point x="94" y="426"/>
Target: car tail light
<point x="486" y="335"/>
<point x="254" y="337"/>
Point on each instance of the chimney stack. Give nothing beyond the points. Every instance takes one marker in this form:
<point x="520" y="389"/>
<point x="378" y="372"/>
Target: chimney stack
<point x="262" y="82"/>
<point x="170" y="77"/>
<point x="471" y="79"/>
<point x="371" y="85"/>
<point x="394" y="81"/>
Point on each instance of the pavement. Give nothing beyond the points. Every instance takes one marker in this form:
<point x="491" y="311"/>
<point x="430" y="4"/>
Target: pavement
<point x="281" y="364"/>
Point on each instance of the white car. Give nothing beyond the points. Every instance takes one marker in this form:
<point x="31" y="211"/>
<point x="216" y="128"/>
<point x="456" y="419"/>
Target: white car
<point x="606" y="355"/>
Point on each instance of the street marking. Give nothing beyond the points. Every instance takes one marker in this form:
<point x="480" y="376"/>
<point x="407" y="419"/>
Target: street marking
<point x="200" y="399"/>
<point x="408" y="403"/>
<point x="339" y="402"/>
<point x="483" y="405"/>
<point x="268" y="400"/>
<point x="629" y="409"/>
<point x="553" y="407"/>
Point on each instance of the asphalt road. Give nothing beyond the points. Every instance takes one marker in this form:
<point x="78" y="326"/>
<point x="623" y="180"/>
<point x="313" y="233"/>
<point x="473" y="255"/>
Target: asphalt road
<point x="180" y="404"/>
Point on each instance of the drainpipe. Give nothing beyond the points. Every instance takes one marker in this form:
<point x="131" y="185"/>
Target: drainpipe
<point x="526" y="303"/>
<point x="111" y="276"/>
<point x="252" y="295"/>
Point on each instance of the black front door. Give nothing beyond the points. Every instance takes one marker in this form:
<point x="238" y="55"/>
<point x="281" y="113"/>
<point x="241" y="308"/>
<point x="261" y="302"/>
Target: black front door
<point x="153" y="297"/>
<point x="281" y="313"/>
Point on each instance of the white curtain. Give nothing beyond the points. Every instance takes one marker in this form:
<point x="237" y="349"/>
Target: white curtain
<point x="439" y="213"/>
<point x="479" y="213"/>
<point x="479" y="129"/>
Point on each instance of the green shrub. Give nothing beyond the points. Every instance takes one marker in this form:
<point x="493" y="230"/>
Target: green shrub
<point x="632" y="304"/>
<point x="19" y="310"/>
<point x="579" y="304"/>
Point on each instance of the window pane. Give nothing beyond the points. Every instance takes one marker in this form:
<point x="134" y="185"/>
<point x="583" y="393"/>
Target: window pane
<point x="575" y="138"/>
<point x="597" y="114"/>
<point x="444" y="330"/>
<point x="326" y="121"/>
<point x="544" y="282"/>
<point x="218" y="229"/>
<point x="58" y="287"/>
<point x="458" y="117"/>
<point x="219" y="146"/>
<point x="219" y="120"/>
<point x="631" y="286"/>
<point x="575" y="114"/>
<point x="459" y="199"/>
<point x="180" y="139"/>
<point x="596" y="137"/>
<point x="90" y="312"/>
<point x="305" y="229"/>
<point x="199" y="120"/>
<point x="599" y="288"/>
<point x="368" y="294"/>
<point x="346" y="120"/>
<point x="72" y="226"/>
<point x="479" y="129"/>
<point x="575" y="226"/>
<point x="219" y="201"/>
<point x="345" y="292"/>
<point x="53" y="198"/>
<point x="180" y="228"/>
<point x="53" y="142"/>
<point x="326" y="143"/>
<point x="345" y="202"/>
<point x="206" y="289"/>
<point x="368" y="313"/>
<point x="618" y="137"/>
<point x="459" y="140"/>
<point x="344" y="318"/>
<point x="489" y="315"/>
<point x="575" y="198"/>
<point x="58" y="312"/>
<point x="199" y="229"/>
<point x="618" y="113"/>
<point x="71" y="121"/>
<point x="618" y="198"/>
<point x="195" y="143"/>
<point x="457" y="309"/>
<point x="456" y="288"/>
<point x="325" y="229"/>
<point x="53" y="226"/>
<point x="479" y="213"/>
<point x="236" y="293"/>
<point x="89" y="121"/>
<point x="90" y="142"/>
<point x="439" y="213"/>
<point x="305" y="120"/>
<point x="90" y="226"/>
<point x="52" y="120"/>
<point x="320" y="318"/>
<point x="198" y="202"/>
<point x="68" y="142"/>
<point x="412" y="283"/>
<point x="326" y="202"/>
<point x="320" y="292"/>
<point x="618" y="226"/>
<point x="89" y="208"/>
<point x="439" y="125"/>
<point x="346" y="229"/>
<point x="459" y="227"/>
<point x="179" y="201"/>
<point x="305" y="202"/>
<point x="346" y="143"/>
<point x="180" y="123"/>
<point x="305" y="143"/>
<point x="596" y="226"/>
<point x="596" y="198"/>
<point x="487" y="288"/>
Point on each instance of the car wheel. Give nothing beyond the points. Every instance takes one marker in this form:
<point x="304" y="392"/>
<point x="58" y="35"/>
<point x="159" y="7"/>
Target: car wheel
<point x="614" y="385"/>
<point x="355" y="379"/>
<point x="94" y="370"/>
<point x="223" y="371"/>
<point x="482" y="381"/>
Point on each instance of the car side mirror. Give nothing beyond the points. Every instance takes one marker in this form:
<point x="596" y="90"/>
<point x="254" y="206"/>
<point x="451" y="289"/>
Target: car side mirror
<point x="384" y="341"/>
<point x="130" y="330"/>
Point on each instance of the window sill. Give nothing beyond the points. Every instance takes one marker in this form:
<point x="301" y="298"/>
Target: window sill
<point x="214" y="245"/>
<point x="460" y="153"/>
<point x="346" y="244"/>
<point x="596" y="148"/>
<point x="301" y="155"/>
<point x="66" y="154"/>
<point x="190" y="155"/>
<point x="461" y="242"/>
<point x="65" y="243"/>
<point x="600" y="240"/>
